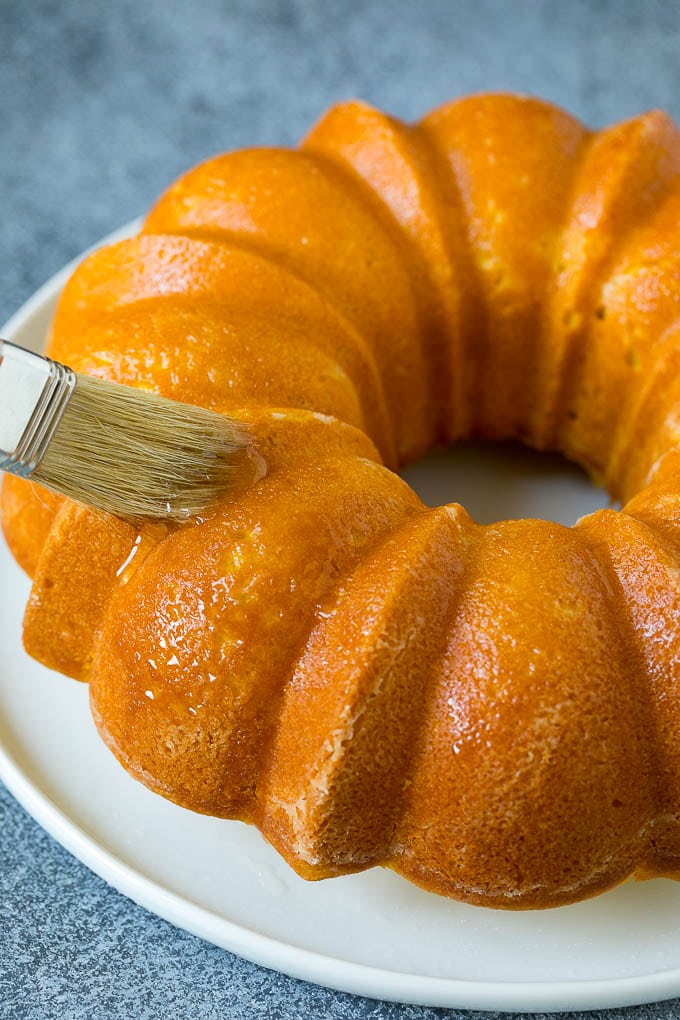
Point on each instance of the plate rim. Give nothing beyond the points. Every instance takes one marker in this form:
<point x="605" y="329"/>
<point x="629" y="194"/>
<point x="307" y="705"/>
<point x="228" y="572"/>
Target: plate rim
<point x="273" y="953"/>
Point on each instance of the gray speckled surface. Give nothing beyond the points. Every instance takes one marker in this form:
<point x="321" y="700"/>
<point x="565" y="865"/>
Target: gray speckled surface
<point x="101" y="105"/>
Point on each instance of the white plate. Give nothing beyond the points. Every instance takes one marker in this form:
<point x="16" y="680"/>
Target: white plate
<point x="372" y="934"/>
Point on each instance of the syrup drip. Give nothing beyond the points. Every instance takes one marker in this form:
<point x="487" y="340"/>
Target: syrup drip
<point x="146" y="540"/>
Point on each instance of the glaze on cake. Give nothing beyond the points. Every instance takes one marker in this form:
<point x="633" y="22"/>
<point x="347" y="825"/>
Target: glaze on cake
<point x="491" y="711"/>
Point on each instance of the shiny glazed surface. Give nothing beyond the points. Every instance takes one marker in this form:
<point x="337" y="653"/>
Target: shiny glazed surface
<point x="489" y="710"/>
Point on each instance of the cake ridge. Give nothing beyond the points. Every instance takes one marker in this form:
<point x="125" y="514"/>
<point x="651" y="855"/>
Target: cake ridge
<point x="332" y="352"/>
<point x="465" y="364"/>
<point x="621" y="197"/>
<point x="410" y="258"/>
<point x="641" y="189"/>
<point x="248" y="651"/>
<point x="371" y="684"/>
<point x="640" y="545"/>
<point x="501" y="703"/>
<point x="320" y="241"/>
<point x="363" y="141"/>
<point x="633" y="433"/>
<point x="495" y="147"/>
<point x="139" y="289"/>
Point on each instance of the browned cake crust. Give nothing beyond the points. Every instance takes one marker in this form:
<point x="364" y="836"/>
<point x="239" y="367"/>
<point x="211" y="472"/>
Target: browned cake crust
<point x="491" y="711"/>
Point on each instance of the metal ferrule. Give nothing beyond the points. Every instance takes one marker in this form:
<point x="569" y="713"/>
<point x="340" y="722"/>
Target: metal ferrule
<point x="34" y="393"/>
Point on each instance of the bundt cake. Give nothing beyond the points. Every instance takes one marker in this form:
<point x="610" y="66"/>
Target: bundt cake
<point x="492" y="711"/>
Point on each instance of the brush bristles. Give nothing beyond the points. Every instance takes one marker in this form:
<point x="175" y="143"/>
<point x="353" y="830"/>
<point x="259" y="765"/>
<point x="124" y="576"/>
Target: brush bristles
<point x="136" y="455"/>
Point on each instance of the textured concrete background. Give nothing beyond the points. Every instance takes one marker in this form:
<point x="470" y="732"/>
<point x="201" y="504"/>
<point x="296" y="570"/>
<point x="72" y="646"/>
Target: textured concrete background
<point x="101" y="105"/>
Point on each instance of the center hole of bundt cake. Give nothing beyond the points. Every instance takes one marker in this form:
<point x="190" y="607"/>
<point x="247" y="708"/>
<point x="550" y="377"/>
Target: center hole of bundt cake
<point x="501" y="481"/>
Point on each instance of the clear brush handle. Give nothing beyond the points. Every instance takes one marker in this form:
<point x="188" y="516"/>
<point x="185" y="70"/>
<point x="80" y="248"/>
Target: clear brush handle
<point x="34" y="393"/>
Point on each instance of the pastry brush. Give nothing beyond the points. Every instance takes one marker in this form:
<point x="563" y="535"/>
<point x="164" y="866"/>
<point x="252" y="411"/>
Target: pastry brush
<point x="122" y="450"/>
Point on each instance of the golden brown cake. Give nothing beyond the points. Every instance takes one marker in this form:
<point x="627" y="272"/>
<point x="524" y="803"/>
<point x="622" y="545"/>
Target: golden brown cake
<point x="491" y="711"/>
